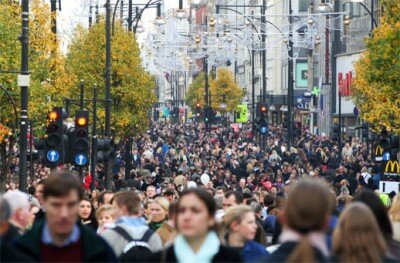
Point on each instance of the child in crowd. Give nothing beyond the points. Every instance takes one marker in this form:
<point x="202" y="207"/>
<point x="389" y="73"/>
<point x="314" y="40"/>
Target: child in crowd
<point x="105" y="217"/>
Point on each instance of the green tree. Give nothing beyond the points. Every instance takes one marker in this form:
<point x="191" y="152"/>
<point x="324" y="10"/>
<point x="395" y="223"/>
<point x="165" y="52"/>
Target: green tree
<point x="45" y="62"/>
<point x="132" y="88"/>
<point x="376" y="88"/>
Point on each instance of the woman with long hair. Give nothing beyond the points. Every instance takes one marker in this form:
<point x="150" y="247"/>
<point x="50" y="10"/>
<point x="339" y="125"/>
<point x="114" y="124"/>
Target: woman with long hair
<point x="357" y="237"/>
<point x="196" y="240"/>
<point x="87" y="214"/>
<point x="304" y="222"/>
<point x="380" y="212"/>
<point x="394" y="216"/>
<point x="238" y="230"/>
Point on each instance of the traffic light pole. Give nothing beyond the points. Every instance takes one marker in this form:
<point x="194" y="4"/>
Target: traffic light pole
<point x="206" y="91"/>
<point x="94" y="140"/>
<point x="23" y="80"/>
<point x="82" y="94"/>
<point x="290" y="79"/>
<point x="253" y="95"/>
<point x="107" y="166"/>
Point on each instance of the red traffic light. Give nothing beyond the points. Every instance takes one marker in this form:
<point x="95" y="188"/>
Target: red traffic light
<point x="263" y="108"/>
<point x="197" y="105"/>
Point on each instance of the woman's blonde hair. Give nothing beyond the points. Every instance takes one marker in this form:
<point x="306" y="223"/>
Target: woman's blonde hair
<point x="233" y="214"/>
<point x="163" y="202"/>
<point x="357" y="237"/>
<point x="306" y="210"/>
<point x="104" y="208"/>
<point x="394" y="212"/>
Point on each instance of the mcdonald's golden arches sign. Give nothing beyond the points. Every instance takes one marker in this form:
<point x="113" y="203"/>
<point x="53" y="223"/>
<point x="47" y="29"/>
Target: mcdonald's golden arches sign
<point x="392" y="168"/>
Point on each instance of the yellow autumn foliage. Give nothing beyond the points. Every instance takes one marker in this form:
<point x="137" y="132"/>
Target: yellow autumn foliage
<point x="376" y="89"/>
<point x="132" y="88"/>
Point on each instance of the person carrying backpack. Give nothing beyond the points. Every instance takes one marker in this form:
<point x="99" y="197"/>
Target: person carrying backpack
<point x="131" y="239"/>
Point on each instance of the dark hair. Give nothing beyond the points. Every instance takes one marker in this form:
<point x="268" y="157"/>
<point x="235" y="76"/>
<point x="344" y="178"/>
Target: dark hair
<point x="223" y="188"/>
<point x="173" y="209"/>
<point x="130" y="200"/>
<point x="238" y="196"/>
<point x="40" y="182"/>
<point x="168" y="192"/>
<point x="100" y="199"/>
<point x="92" y="216"/>
<point x="31" y="190"/>
<point x="60" y="184"/>
<point x="204" y="196"/>
<point x="379" y="210"/>
<point x="269" y="200"/>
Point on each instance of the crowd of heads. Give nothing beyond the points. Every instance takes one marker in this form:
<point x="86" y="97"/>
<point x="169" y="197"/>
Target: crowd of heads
<point x="188" y="181"/>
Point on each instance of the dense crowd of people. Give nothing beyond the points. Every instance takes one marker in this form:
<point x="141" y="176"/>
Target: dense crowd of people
<point x="219" y="195"/>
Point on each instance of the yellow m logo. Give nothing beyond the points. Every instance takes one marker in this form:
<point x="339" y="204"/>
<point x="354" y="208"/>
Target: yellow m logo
<point x="394" y="167"/>
<point x="378" y="150"/>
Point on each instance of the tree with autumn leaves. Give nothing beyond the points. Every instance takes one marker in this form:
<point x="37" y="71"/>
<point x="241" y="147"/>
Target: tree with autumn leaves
<point x="376" y="88"/>
<point x="132" y="87"/>
<point x="55" y="76"/>
<point x="45" y="63"/>
<point x="223" y="89"/>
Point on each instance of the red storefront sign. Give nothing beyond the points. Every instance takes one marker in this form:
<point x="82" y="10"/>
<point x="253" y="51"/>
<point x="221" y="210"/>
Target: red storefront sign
<point x="345" y="83"/>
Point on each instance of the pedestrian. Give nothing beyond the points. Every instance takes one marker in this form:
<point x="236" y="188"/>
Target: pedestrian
<point x="61" y="236"/>
<point x="196" y="240"/>
<point x="158" y="212"/>
<point x="167" y="231"/>
<point x="20" y="213"/>
<point x="357" y="237"/>
<point x="105" y="216"/>
<point x="238" y="230"/>
<point x="87" y="214"/>
<point x="380" y="212"/>
<point x="8" y="253"/>
<point x="394" y="216"/>
<point x="305" y="215"/>
<point x="129" y="226"/>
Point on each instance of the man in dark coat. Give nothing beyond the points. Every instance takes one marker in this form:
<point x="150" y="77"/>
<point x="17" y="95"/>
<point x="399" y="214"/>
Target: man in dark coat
<point x="59" y="237"/>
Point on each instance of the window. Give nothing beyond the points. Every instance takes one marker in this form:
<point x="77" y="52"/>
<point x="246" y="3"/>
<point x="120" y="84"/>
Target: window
<point x="303" y="5"/>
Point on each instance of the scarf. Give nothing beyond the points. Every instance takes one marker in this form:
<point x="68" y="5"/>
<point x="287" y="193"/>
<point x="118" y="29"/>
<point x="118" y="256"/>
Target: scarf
<point x="316" y="239"/>
<point x="206" y="253"/>
<point x="131" y="221"/>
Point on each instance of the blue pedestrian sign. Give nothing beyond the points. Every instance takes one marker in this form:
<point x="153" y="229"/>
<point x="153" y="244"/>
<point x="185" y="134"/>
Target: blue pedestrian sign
<point x="264" y="130"/>
<point x="386" y="156"/>
<point x="53" y="156"/>
<point x="81" y="159"/>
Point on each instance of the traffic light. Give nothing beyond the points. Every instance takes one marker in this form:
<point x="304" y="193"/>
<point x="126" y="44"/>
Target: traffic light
<point x="54" y="138"/>
<point x="105" y="150"/>
<point x="263" y="118"/>
<point x="80" y="156"/>
<point x="335" y="132"/>
<point x="206" y="114"/>
<point x="365" y="130"/>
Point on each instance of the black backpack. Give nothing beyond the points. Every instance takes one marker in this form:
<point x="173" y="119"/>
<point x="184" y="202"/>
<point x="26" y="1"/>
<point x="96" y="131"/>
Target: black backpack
<point x="137" y="250"/>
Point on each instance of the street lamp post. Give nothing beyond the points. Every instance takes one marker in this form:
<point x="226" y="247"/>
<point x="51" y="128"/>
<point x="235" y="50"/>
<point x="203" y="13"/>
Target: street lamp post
<point x="290" y="79"/>
<point x="107" y="79"/>
<point x="370" y="12"/>
<point x="23" y="82"/>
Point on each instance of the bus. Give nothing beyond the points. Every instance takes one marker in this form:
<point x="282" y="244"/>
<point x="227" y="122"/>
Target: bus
<point x="241" y="113"/>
